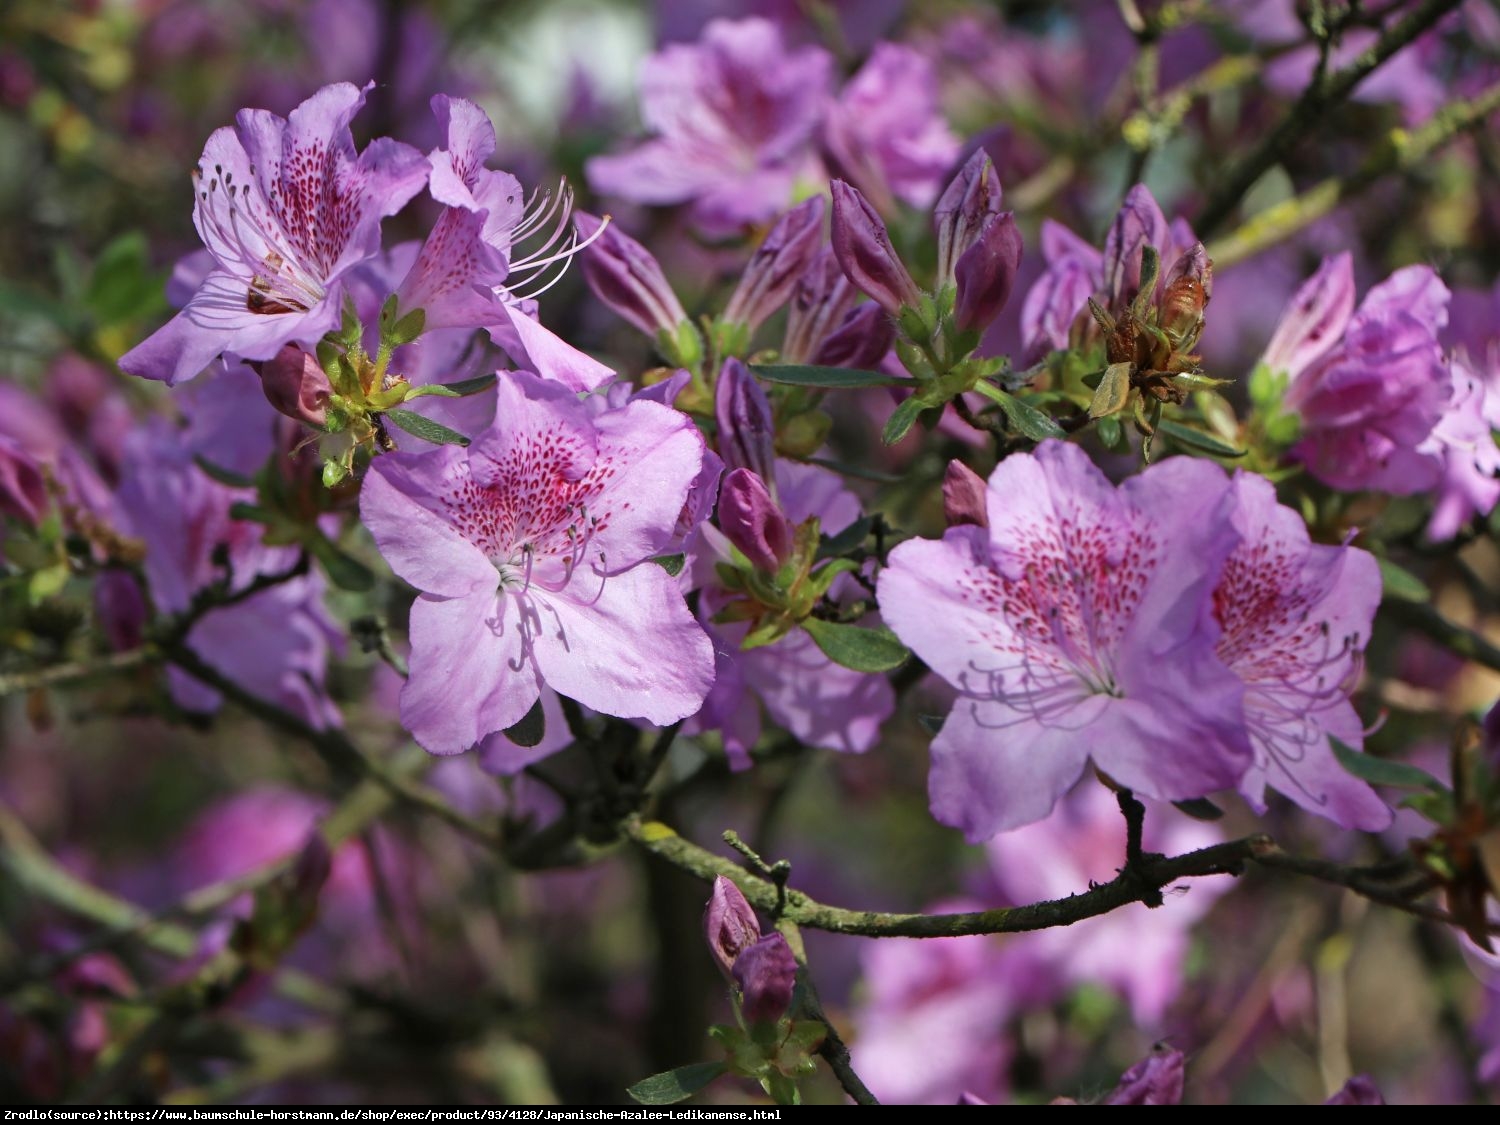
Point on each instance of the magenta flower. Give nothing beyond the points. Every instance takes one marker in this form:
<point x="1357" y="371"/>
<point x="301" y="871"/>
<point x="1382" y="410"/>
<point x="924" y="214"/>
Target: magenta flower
<point x="1370" y="387"/>
<point x="531" y="549"/>
<point x="733" y="115"/>
<point x="1155" y="1080"/>
<point x="274" y="644"/>
<point x="886" y="134"/>
<point x="1464" y="442"/>
<point x="1295" y="616"/>
<point x="1076" y="628"/>
<point x="287" y="208"/>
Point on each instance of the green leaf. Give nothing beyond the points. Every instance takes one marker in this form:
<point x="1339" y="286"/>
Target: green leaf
<point x="675" y="1085"/>
<point x="1027" y="419"/>
<point x="864" y="650"/>
<point x="831" y="378"/>
<point x="252" y="513"/>
<point x="902" y="420"/>
<point x="1112" y="435"/>
<point x="1383" y="771"/>
<point x="858" y="471"/>
<point x="1199" y="808"/>
<point x="848" y="539"/>
<point x="221" y="474"/>
<point x="453" y="390"/>
<point x="425" y="428"/>
<point x="531" y="729"/>
<point x="672" y="564"/>
<point x="408" y="328"/>
<point x="343" y="571"/>
<point x="1399" y="583"/>
<point x="1113" y="392"/>
<point x="1196" y="439"/>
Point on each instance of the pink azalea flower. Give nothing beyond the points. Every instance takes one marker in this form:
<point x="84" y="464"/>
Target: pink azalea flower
<point x="531" y="549"/>
<point x="733" y="115"/>
<point x="286" y="208"/>
<point x="1076" y="628"/>
<point x="1295" y="616"/>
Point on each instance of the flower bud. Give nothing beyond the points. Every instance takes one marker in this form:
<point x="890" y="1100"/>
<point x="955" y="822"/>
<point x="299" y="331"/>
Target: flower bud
<point x="822" y="296"/>
<point x="1359" y="1090"/>
<point x="23" y="489"/>
<point x="1189" y="286"/>
<point x="965" y="496"/>
<point x="1155" y="1080"/>
<point x="777" y="265"/>
<point x="747" y="429"/>
<point x="863" y="247"/>
<point x="729" y="924"/>
<point x="986" y="273"/>
<point x="624" y="275"/>
<point x="862" y="340"/>
<point x="1316" y="318"/>
<point x="296" y="385"/>
<point x="1139" y="224"/>
<point x="766" y="973"/>
<point x="753" y="522"/>
<point x="961" y="211"/>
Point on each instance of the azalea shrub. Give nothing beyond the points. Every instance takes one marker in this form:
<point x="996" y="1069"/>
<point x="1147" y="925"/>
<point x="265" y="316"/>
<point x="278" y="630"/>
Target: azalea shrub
<point x="794" y="553"/>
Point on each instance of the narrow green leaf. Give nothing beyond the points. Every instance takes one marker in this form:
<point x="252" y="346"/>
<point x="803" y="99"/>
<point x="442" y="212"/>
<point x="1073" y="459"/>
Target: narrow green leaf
<point x="1400" y="583"/>
<point x="1199" y="808"/>
<point x="672" y="564"/>
<point x="425" y="428"/>
<point x="531" y="729"/>
<point x="459" y="389"/>
<point x="864" y="650"/>
<point x="832" y="378"/>
<point x="251" y="513"/>
<point x="902" y="420"/>
<point x="343" y="571"/>
<point x="858" y="471"/>
<point x="675" y="1085"/>
<point x="846" y="540"/>
<point x="1027" y="419"/>
<point x="221" y="474"/>
<point x="1196" y="439"/>
<point x="1383" y="771"/>
<point x="1113" y="393"/>
<point x="408" y="328"/>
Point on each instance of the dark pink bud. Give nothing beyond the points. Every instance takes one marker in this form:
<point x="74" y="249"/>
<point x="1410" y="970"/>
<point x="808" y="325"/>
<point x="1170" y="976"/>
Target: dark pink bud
<point x="1359" y="1090"/>
<point x="778" y="264"/>
<point x="729" y="924"/>
<point x="753" y="522"/>
<point x="821" y="299"/>
<point x="624" y="275"/>
<point x="747" y="429"/>
<point x="862" y="340"/>
<point x="23" y="489"/>
<point x="965" y="496"/>
<point x="1139" y="224"/>
<point x="766" y="973"/>
<point x="986" y="273"/>
<point x="1155" y="1080"/>
<point x="297" y="386"/>
<point x="962" y="210"/>
<point x="864" y="250"/>
<point x="1316" y="318"/>
<point x="309" y="873"/>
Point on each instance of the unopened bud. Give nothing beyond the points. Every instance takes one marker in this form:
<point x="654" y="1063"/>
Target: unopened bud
<point x="861" y="341"/>
<point x="747" y="429"/>
<point x="729" y="924"/>
<point x="1139" y="224"/>
<point x="626" y="277"/>
<point x="961" y="211"/>
<point x="777" y="265"/>
<point x="965" y="496"/>
<point x="296" y="386"/>
<point x="753" y="522"/>
<point x="821" y="299"/>
<point x="766" y="973"/>
<point x="864" y="250"/>
<point x="986" y="273"/>
<point x="1155" y="1080"/>
<point x="23" y="489"/>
